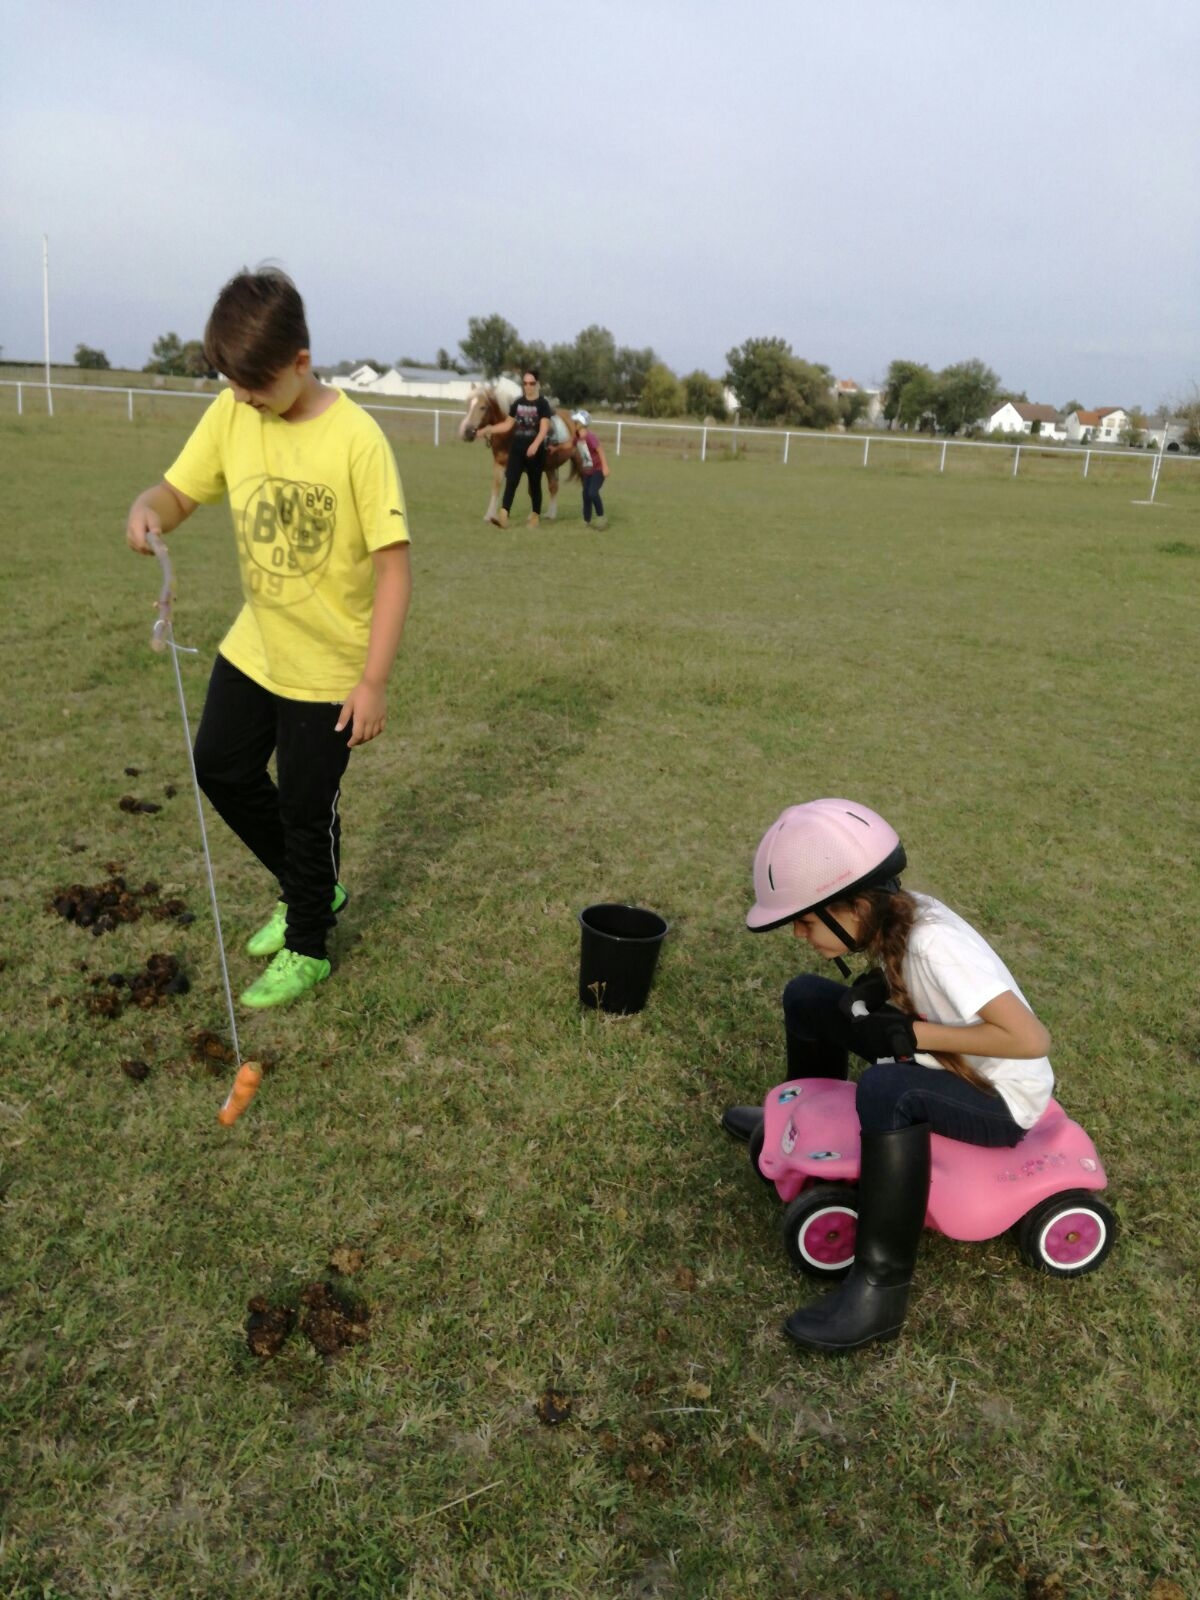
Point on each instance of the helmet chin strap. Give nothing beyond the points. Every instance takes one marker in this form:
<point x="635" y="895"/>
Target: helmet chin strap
<point x="835" y="927"/>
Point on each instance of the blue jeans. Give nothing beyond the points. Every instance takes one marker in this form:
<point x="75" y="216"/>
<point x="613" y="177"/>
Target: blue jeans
<point x="592" y="484"/>
<point x="896" y="1095"/>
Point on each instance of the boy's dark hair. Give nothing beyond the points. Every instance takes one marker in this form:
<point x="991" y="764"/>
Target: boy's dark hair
<point x="256" y="328"/>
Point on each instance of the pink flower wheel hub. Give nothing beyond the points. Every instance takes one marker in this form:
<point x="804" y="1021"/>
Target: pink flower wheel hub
<point x="1073" y="1238"/>
<point x="828" y="1238"/>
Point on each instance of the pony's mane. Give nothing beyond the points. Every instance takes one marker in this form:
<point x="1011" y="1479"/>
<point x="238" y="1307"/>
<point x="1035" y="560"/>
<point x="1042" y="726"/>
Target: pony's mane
<point x="506" y="390"/>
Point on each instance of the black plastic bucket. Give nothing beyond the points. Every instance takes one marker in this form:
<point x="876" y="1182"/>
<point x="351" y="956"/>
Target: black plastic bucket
<point x="618" y="952"/>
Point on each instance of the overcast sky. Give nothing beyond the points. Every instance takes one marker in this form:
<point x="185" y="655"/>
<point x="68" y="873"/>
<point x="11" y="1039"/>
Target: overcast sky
<point x="887" y="178"/>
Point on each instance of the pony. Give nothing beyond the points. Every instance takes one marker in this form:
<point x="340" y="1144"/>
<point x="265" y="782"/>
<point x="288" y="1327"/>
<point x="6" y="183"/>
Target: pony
<point x="488" y="403"/>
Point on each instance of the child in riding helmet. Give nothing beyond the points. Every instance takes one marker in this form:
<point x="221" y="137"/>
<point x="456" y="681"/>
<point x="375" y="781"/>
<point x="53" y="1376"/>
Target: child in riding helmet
<point x="593" y="466"/>
<point x="951" y="1044"/>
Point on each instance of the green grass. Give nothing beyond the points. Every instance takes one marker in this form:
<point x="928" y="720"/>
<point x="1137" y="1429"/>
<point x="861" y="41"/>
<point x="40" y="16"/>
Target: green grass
<point x="544" y="1199"/>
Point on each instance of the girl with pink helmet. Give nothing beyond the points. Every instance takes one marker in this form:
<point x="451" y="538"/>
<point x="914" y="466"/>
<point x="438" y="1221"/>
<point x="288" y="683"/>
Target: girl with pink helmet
<point x="951" y="1044"/>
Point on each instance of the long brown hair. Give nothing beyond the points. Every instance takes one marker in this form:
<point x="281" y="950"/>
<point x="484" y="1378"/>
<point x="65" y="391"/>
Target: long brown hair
<point x="886" y="918"/>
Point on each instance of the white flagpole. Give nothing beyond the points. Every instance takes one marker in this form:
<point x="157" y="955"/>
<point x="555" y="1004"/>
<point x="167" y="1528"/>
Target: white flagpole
<point x="46" y="319"/>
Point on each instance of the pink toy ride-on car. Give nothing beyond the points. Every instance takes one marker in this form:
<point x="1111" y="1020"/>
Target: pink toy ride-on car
<point x="1045" y="1187"/>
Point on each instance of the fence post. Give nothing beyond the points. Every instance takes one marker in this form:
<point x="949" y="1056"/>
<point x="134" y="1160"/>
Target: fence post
<point x="437" y="418"/>
<point x="1087" y="461"/>
<point x="131" y="405"/>
<point x="942" y="462"/>
<point x="704" y="444"/>
<point x="866" y="448"/>
<point x="49" y="401"/>
<point x="1016" y="461"/>
<point x="787" y="440"/>
<point x="20" y="402"/>
<point x="618" y="438"/>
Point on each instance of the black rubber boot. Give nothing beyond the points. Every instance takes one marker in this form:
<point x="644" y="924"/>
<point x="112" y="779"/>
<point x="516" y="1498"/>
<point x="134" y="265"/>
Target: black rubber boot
<point x="742" y="1121"/>
<point x="893" y="1193"/>
<point x="806" y="1058"/>
<point x="809" y="1058"/>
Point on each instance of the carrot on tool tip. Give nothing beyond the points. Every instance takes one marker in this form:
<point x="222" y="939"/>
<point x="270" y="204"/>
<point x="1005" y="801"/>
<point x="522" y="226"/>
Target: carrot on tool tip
<point x="245" y="1087"/>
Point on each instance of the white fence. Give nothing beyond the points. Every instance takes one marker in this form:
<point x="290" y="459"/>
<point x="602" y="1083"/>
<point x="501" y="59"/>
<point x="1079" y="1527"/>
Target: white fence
<point x="700" y="431"/>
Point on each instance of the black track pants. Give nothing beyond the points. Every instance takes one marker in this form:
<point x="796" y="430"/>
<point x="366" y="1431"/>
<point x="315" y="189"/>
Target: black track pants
<point x="519" y="462"/>
<point x="292" y="828"/>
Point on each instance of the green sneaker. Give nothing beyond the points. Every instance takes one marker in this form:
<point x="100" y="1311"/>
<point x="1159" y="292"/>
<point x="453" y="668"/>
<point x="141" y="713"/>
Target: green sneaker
<point x="288" y="977"/>
<point x="268" y="941"/>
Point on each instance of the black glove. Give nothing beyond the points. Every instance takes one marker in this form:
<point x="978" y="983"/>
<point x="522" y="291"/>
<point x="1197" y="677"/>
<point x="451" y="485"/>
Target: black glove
<point x="876" y="1035"/>
<point x="871" y="987"/>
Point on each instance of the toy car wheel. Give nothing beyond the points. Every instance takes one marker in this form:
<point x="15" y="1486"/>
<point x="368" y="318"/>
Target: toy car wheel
<point x="756" y="1150"/>
<point x="1067" y="1235"/>
<point x="819" y="1229"/>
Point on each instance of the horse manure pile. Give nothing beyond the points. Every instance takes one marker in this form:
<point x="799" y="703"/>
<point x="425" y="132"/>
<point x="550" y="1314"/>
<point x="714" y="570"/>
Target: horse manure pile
<point x="152" y="985"/>
<point x="130" y="802"/>
<point x="268" y="1326"/>
<point x="211" y="1050"/>
<point x="329" y="1319"/>
<point x="101" y="907"/>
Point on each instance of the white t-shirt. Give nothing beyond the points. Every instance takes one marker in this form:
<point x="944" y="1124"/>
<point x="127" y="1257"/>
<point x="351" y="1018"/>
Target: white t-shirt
<point x="951" y="973"/>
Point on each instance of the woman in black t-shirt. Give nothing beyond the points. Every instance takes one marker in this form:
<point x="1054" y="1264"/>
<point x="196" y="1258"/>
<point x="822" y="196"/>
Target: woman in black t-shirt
<point x="528" y="422"/>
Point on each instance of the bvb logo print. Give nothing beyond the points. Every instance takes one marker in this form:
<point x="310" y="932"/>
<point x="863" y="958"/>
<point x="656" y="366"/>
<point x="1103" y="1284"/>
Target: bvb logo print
<point x="287" y="533"/>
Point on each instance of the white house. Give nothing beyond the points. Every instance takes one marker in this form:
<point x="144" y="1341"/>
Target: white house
<point x="1168" y="438"/>
<point x="1103" y="426"/>
<point x="411" y="383"/>
<point x="1020" y="416"/>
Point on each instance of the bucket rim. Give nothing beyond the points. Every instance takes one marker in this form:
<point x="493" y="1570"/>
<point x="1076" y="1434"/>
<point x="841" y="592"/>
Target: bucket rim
<point x="626" y="938"/>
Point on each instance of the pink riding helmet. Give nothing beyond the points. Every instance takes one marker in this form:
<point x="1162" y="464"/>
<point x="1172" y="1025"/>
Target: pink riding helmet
<point x="821" y="851"/>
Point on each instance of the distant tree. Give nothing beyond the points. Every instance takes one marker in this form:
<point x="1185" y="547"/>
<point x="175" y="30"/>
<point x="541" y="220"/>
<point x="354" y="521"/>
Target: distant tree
<point x="446" y="362"/>
<point x="492" y="345"/>
<point x="535" y="355"/>
<point x="166" y="356"/>
<point x="1187" y="411"/>
<point x="1072" y="405"/>
<point x="704" y="396"/>
<point x="852" y="406"/>
<point x="662" y="393"/>
<point x="85" y="356"/>
<point x="773" y="384"/>
<point x="629" y="375"/>
<point x="195" y="363"/>
<point x="966" y="393"/>
<point x="908" y="393"/>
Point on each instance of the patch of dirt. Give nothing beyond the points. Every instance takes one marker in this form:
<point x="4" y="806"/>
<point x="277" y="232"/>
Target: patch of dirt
<point x="100" y="907"/>
<point x="346" y="1260"/>
<point x="152" y="985"/>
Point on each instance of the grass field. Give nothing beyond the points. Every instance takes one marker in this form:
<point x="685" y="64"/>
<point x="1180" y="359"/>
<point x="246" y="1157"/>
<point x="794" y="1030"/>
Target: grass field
<point x="547" y="1212"/>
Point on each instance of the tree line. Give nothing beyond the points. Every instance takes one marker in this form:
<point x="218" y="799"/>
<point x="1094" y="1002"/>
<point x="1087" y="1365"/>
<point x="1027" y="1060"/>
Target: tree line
<point x="772" y="384"/>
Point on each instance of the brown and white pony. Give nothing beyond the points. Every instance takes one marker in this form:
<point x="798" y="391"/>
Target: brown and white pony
<point x="489" y="403"/>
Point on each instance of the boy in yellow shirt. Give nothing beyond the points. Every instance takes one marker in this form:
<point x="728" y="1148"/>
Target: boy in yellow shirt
<point x="322" y="536"/>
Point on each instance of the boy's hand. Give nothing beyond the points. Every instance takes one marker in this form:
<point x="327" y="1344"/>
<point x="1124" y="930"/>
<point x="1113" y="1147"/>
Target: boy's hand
<point x="365" y="711"/>
<point x="143" y="521"/>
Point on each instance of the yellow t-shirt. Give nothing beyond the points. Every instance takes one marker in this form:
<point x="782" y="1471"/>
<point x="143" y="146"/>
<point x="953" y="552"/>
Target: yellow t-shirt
<point x="310" y="502"/>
